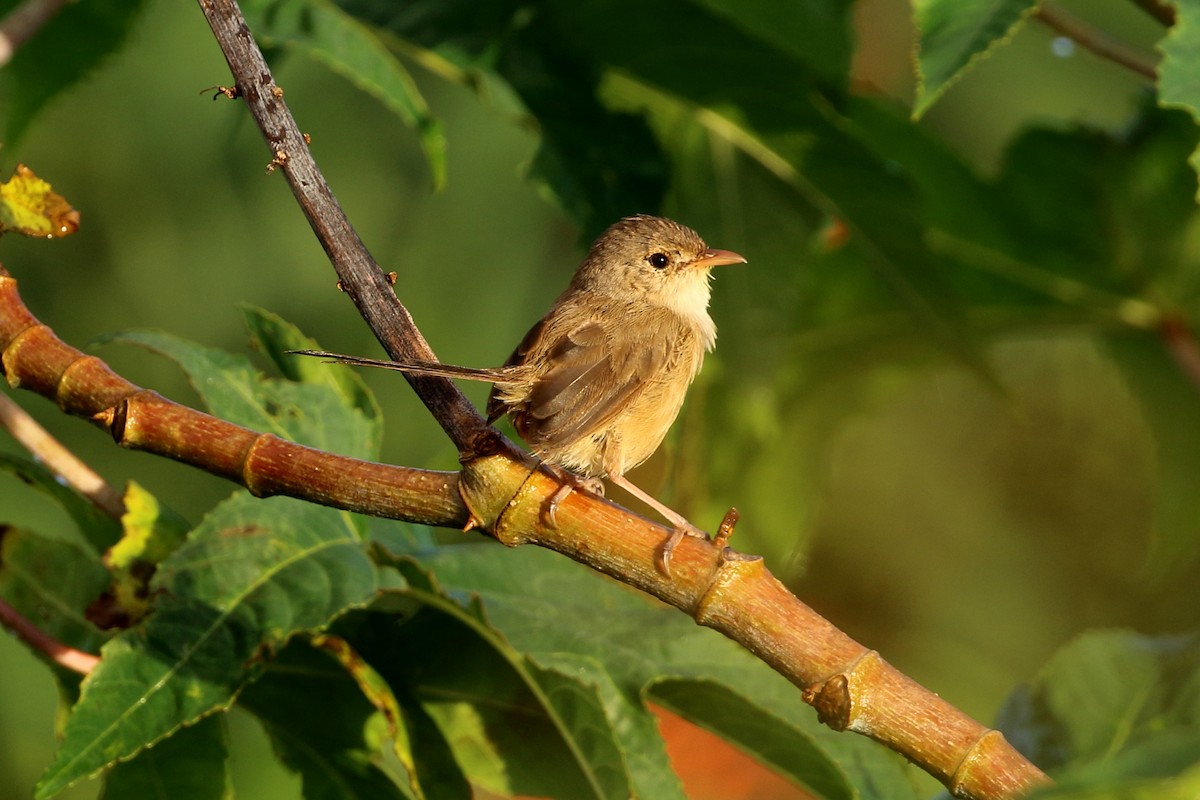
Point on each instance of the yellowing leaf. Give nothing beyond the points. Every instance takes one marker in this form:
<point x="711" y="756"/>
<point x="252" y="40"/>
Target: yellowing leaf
<point x="29" y="206"/>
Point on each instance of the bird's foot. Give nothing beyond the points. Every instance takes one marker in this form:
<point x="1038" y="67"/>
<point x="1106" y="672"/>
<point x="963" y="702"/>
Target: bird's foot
<point x="571" y="482"/>
<point x="662" y="556"/>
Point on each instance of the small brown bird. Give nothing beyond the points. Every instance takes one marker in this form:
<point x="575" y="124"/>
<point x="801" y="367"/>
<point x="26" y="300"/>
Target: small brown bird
<point x="596" y="383"/>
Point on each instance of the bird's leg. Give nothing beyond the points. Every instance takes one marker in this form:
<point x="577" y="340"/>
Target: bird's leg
<point x="662" y="558"/>
<point x="570" y="482"/>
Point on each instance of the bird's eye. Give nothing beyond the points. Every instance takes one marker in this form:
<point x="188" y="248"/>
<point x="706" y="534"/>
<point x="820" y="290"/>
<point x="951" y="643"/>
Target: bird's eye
<point x="658" y="260"/>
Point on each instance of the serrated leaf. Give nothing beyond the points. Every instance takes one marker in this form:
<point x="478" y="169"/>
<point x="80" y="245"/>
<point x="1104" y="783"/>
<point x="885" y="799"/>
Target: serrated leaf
<point x="72" y="44"/>
<point x="192" y="764"/>
<point x="335" y="744"/>
<point x="326" y="33"/>
<point x="98" y="528"/>
<point x="51" y="582"/>
<point x="29" y="206"/>
<point x="316" y="415"/>
<point x="1178" y="81"/>
<point x="254" y="573"/>
<point x="276" y="336"/>
<point x="954" y="34"/>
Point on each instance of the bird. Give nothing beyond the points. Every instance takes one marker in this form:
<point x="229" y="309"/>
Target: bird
<point x="596" y="383"/>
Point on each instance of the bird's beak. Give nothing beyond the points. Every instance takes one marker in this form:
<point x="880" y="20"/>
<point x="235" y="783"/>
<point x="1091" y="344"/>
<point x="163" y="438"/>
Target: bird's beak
<point x="715" y="258"/>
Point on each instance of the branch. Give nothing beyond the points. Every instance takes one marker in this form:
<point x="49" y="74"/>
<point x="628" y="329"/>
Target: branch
<point x="358" y="273"/>
<point x="56" y="651"/>
<point x="851" y="687"/>
<point x="58" y="459"/>
<point x="1098" y="41"/>
<point x="23" y="22"/>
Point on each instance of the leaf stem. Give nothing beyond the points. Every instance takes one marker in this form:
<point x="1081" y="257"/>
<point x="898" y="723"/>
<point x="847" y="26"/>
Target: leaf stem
<point x="1100" y="42"/>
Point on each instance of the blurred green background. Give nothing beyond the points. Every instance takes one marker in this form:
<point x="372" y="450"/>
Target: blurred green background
<point x="963" y="531"/>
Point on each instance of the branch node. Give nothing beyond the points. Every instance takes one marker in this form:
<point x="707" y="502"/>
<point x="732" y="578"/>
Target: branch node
<point x="839" y="698"/>
<point x="976" y="757"/>
<point x="832" y="701"/>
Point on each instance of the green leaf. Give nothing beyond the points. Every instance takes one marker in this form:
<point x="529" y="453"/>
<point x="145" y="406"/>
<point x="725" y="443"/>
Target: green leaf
<point x="564" y="618"/>
<point x="75" y="42"/>
<point x="253" y="573"/>
<point x="98" y="528"/>
<point x="954" y="34"/>
<point x="1178" y="81"/>
<point x="276" y="336"/>
<point x="315" y="414"/>
<point x="1185" y="786"/>
<point x="1107" y="700"/>
<point x="335" y="744"/>
<point x="191" y="764"/>
<point x="325" y="33"/>
<point x="472" y="703"/>
<point x="51" y="582"/>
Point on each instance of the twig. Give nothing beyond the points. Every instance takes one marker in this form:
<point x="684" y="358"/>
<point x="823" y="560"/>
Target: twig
<point x="58" y="459"/>
<point x="56" y="651"/>
<point x="357" y="271"/>
<point x="1161" y="11"/>
<point x="1099" y="42"/>
<point x="23" y="22"/>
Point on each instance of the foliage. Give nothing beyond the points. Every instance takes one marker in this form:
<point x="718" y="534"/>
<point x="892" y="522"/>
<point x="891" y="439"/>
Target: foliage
<point x="383" y="662"/>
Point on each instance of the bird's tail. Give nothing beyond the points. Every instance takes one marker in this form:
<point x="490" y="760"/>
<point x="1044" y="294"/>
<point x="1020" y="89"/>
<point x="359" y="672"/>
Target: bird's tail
<point x="411" y="367"/>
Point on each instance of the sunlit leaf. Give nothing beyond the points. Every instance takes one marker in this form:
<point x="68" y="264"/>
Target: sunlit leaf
<point x="30" y="207"/>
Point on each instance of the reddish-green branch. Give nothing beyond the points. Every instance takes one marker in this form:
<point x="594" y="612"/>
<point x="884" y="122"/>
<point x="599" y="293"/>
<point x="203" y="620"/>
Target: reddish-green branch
<point x="42" y="642"/>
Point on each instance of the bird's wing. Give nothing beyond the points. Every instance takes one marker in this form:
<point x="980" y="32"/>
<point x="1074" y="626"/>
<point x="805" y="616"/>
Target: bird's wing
<point x="592" y="378"/>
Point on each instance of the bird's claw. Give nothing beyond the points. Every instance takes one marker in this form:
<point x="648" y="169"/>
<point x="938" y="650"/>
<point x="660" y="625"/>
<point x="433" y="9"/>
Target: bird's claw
<point x="550" y="510"/>
<point x="662" y="556"/>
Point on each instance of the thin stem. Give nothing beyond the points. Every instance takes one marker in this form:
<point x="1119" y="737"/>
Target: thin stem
<point x="1099" y="42"/>
<point x="366" y="284"/>
<point x="56" y="651"/>
<point x="23" y="22"/>
<point x="58" y="459"/>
